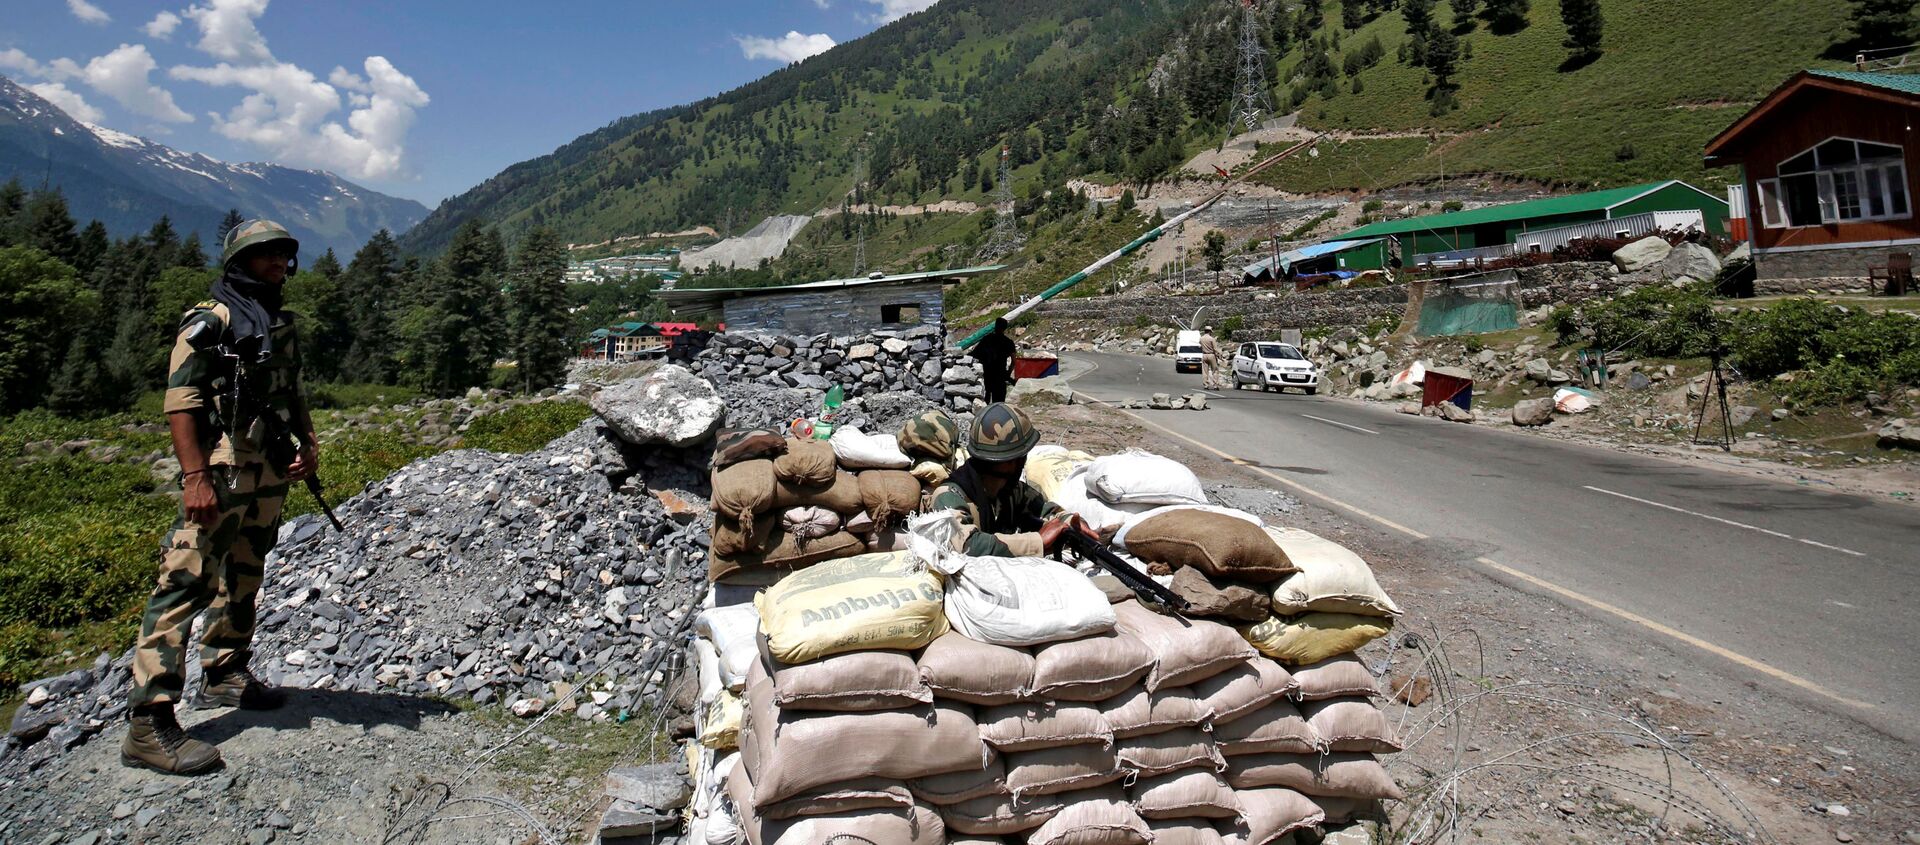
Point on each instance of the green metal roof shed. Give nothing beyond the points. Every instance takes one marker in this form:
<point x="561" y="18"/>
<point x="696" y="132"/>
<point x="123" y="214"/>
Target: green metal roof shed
<point x="1500" y="224"/>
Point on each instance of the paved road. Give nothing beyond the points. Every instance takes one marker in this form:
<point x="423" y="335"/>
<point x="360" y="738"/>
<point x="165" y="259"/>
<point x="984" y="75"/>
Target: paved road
<point x="1815" y="590"/>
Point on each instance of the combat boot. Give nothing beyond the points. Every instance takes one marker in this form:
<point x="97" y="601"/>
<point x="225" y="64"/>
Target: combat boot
<point x="238" y="688"/>
<point x="156" y="741"/>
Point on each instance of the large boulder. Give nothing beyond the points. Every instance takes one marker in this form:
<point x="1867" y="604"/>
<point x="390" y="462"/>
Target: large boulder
<point x="1690" y="261"/>
<point x="1641" y="254"/>
<point x="1899" y="434"/>
<point x="669" y="406"/>
<point x="1533" y="411"/>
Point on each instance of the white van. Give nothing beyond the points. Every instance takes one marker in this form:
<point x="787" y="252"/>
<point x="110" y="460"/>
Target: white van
<point x="1186" y="351"/>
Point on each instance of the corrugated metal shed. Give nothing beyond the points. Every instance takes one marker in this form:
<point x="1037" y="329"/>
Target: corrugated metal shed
<point x="1295" y="256"/>
<point x="1593" y="201"/>
<point x="837" y="306"/>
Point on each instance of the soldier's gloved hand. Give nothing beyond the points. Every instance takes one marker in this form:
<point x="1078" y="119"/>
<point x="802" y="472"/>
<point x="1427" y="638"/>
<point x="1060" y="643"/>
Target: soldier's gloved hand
<point x="197" y="497"/>
<point x="305" y="463"/>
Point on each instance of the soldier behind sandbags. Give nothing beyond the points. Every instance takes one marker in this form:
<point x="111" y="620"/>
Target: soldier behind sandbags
<point x="235" y="409"/>
<point x="1000" y="513"/>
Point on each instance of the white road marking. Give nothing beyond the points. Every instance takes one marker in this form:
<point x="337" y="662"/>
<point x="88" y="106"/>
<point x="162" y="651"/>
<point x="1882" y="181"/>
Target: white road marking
<point x="1767" y="531"/>
<point x="1340" y="424"/>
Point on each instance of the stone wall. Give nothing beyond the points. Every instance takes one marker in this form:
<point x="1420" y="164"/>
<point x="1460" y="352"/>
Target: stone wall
<point x="1821" y="267"/>
<point x="768" y="379"/>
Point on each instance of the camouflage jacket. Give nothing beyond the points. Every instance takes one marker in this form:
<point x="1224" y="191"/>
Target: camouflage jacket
<point x="201" y="379"/>
<point x="1005" y="526"/>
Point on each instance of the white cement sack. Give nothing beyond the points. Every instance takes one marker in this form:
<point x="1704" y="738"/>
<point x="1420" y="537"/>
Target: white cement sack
<point x="1143" y="478"/>
<point x="1009" y="601"/>
<point x="1071" y="494"/>
<point x="708" y="660"/>
<point x="855" y="449"/>
<point x="734" y="632"/>
<point x="1331" y="579"/>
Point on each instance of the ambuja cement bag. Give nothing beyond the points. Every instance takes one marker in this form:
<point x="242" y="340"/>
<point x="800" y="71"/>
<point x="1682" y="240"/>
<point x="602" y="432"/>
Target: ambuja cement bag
<point x="1010" y="601"/>
<point x="1049" y="466"/>
<point x="875" y="601"/>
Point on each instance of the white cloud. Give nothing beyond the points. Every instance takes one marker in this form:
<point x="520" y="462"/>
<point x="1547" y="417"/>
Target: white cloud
<point x="786" y="49"/>
<point x="287" y="115"/>
<point x="893" y="10"/>
<point x="14" y="59"/>
<point x="88" y="13"/>
<point x="227" y="31"/>
<point x="343" y="78"/>
<point x="70" y="102"/>
<point x="122" y="75"/>
<point x="162" y="26"/>
<point x="822" y="4"/>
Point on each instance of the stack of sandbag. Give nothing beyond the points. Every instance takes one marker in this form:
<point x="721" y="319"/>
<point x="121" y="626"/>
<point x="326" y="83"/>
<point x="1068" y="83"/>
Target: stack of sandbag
<point x="1108" y="491"/>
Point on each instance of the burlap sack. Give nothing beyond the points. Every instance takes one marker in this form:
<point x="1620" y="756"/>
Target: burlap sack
<point x="1277" y="727"/>
<point x="914" y="826"/>
<point x="780" y="551"/>
<point x="1169" y="751"/>
<point x="1093" y="821"/>
<point x="1313" y="637"/>
<point x="1090" y="668"/>
<point x="1188" y="832"/>
<point x="863" y="794"/>
<point x="1000" y="815"/>
<point x="743" y="491"/>
<point x="1338" y="775"/>
<point x="975" y="672"/>
<point x="1027" y="727"/>
<point x="734" y="539"/>
<point x="817" y="749"/>
<point x="956" y="787"/>
<point x="867" y="602"/>
<point x="1351" y="724"/>
<point x="809" y="523"/>
<point x="1336" y="677"/>
<point x="1068" y="767"/>
<point x="1209" y="597"/>
<point x="807" y="463"/>
<point x="732" y="447"/>
<point x="889" y="495"/>
<point x="1331" y="579"/>
<point x="851" y="682"/>
<point x="1184" y="650"/>
<point x="842" y="496"/>
<point x="1271" y="814"/>
<point x="1221" y="545"/>
<point x="1243" y="689"/>
<point x="1136" y="712"/>
<point x="1185" y="794"/>
<point x="1340" y="810"/>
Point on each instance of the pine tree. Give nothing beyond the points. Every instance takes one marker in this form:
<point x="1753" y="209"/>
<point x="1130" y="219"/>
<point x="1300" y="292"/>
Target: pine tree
<point x="49" y="228"/>
<point x="1419" y="15"/>
<point x="1875" y="24"/>
<point x="1584" y="25"/>
<point x="43" y="305"/>
<point x="370" y="288"/>
<point x="1353" y="13"/>
<point x="1508" y="16"/>
<point x="232" y="218"/>
<point x="327" y="265"/>
<point x="13" y="199"/>
<point x="1443" y="59"/>
<point x="456" y="337"/>
<point x="1463" y="10"/>
<point x="94" y="244"/>
<point x="538" y="300"/>
<point x="80" y="385"/>
<point x="191" y="255"/>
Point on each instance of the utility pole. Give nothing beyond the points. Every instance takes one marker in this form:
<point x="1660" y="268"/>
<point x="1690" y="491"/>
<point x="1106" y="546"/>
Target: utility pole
<point x="1250" y="101"/>
<point x="1006" y="234"/>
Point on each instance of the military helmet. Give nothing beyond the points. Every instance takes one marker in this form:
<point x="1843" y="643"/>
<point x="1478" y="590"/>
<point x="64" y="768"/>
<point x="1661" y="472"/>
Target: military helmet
<point x="1002" y="433"/>
<point x="253" y="233"/>
<point x="930" y="436"/>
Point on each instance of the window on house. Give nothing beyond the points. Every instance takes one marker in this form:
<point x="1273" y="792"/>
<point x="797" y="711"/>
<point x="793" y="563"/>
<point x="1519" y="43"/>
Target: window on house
<point x="1839" y="181"/>
<point x="902" y="313"/>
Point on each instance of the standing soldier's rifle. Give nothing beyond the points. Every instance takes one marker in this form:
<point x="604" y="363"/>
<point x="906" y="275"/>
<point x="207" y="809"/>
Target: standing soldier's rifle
<point x="279" y="437"/>
<point x="1143" y="585"/>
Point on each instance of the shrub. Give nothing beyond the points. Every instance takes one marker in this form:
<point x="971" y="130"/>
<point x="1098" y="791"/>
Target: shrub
<point x="1371" y="206"/>
<point x="331" y="396"/>
<point x="525" y="428"/>
<point x="1452" y="205"/>
<point x="1232" y="324"/>
<point x="1474" y="344"/>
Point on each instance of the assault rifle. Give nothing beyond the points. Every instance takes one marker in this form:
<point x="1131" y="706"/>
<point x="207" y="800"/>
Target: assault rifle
<point x="1140" y="583"/>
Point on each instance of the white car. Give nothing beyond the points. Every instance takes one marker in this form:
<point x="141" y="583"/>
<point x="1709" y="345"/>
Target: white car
<point x="1274" y="366"/>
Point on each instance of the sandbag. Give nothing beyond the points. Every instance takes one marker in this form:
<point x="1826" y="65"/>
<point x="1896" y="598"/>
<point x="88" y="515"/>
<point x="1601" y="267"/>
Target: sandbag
<point x="858" y="523"/>
<point x="881" y="601"/>
<point x="807" y="463"/>
<point x="842" y="496"/>
<point x="720" y="730"/>
<point x="964" y="669"/>
<point x="1049" y="466"/>
<point x="1330" y="579"/>
<point x="1273" y="813"/>
<point x="1209" y="597"/>
<point x="863" y="794"/>
<point x="1093" y="821"/>
<point x="1188" y="832"/>
<point x="816" y="749"/>
<point x="1341" y="810"/>
<point x="1027" y="727"/>
<point x="1335" y="677"/>
<point x="858" y="450"/>
<point x="1313" y="637"/>
<point x="1351" y="724"/>
<point x="1218" y="544"/>
<point x="735" y="633"/>
<point x="1048" y="771"/>
<point x="916" y="826"/>
<point x="743" y="490"/>
<point x="930" y="437"/>
<point x="1243" y="688"/>
<point x="1277" y="728"/>
<point x="733" y="538"/>
<point x="1136" y="477"/>
<point x="732" y="447"/>
<point x="1022" y="601"/>
<point x="1000" y="815"/>
<point x="1169" y="751"/>
<point x="956" y="787"/>
<point x="1072" y="495"/>
<point x="706" y="660"/>
<point x="1339" y="775"/>
<point x="1184" y="650"/>
<point x="1091" y="668"/>
<point x="1185" y="794"/>
<point x="850" y="682"/>
<point x="782" y="551"/>
<point x="889" y="496"/>
<point x="809" y="523"/>
<point x="1137" y="712"/>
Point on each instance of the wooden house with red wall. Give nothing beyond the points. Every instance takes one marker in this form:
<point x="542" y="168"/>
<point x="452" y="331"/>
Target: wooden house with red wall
<point x="1830" y="165"/>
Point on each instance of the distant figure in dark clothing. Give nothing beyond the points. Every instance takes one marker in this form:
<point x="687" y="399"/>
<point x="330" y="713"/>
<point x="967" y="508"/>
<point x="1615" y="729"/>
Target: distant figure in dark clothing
<point x="995" y="354"/>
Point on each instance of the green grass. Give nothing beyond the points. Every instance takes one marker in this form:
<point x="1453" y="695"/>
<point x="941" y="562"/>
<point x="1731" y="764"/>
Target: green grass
<point x="524" y="428"/>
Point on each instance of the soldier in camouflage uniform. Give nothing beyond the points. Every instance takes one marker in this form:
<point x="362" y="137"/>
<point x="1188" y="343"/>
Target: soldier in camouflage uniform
<point x="1001" y="514"/>
<point x="242" y="434"/>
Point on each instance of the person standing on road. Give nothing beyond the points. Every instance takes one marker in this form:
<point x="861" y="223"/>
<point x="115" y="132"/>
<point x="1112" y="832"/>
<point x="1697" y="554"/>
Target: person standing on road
<point x="1209" y="360"/>
<point x="242" y="434"/>
<point x="995" y="353"/>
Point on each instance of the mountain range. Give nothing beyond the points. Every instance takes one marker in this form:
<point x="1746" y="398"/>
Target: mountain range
<point x="127" y="182"/>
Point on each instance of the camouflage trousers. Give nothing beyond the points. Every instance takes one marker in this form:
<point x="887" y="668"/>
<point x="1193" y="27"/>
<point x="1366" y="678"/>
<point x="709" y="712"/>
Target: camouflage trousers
<point x="216" y="570"/>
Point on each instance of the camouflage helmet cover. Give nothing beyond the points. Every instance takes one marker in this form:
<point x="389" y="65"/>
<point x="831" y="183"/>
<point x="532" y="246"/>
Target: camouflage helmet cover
<point x="253" y="233"/>
<point x="1003" y="433"/>
<point x="931" y="436"/>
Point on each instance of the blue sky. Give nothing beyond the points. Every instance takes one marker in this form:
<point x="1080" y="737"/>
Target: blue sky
<point x="429" y="99"/>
